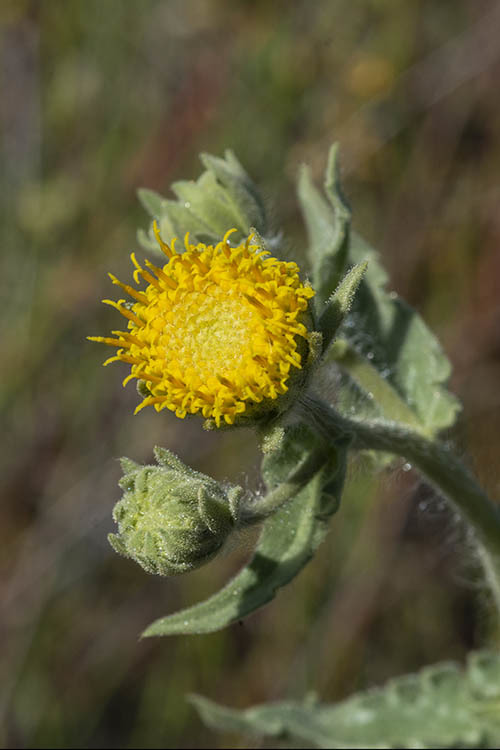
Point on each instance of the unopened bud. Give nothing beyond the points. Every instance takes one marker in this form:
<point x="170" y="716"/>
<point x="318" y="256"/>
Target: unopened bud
<point x="171" y="518"/>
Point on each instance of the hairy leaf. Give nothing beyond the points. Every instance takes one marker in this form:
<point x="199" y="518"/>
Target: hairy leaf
<point x="328" y="228"/>
<point x="222" y="198"/>
<point x="152" y="201"/>
<point x="391" y="365"/>
<point x="339" y="304"/>
<point x="240" y="190"/>
<point x="441" y="706"/>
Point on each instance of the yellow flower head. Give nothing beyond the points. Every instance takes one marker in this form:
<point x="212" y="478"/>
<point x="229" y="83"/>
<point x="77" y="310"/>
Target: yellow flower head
<point x="217" y="330"/>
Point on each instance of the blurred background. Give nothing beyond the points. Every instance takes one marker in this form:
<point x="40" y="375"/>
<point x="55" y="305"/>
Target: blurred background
<point x="100" y="98"/>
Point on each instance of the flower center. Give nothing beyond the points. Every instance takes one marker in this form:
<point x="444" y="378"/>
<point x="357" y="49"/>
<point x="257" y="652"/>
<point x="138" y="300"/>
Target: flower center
<point x="210" y="332"/>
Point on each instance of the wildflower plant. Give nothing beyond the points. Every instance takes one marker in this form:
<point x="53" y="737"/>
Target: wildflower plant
<point x="226" y="329"/>
<point x="218" y="331"/>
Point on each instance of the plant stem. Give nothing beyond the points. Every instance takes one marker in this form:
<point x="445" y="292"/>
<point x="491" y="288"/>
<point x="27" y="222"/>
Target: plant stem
<point x="262" y="507"/>
<point x="435" y="460"/>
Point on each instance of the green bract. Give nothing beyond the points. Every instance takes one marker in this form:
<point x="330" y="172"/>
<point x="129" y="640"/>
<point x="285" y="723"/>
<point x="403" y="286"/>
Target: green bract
<point x="171" y="519"/>
<point x="222" y="198"/>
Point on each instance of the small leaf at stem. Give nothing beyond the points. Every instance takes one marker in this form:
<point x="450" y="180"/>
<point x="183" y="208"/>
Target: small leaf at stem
<point x="339" y="304"/>
<point x="327" y="227"/>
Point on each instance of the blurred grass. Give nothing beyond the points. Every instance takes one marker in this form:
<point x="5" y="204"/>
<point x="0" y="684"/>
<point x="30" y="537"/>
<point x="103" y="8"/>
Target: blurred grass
<point x="100" y="98"/>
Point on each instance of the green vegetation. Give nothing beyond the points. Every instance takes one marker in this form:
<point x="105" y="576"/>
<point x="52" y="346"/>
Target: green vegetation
<point x="106" y="97"/>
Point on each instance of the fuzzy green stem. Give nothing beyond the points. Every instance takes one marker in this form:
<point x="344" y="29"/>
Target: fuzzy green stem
<point x="262" y="507"/>
<point x="435" y="460"/>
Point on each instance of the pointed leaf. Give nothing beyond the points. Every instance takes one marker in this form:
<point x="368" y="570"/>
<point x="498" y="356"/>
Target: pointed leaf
<point x="240" y="190"/>
<point x="394" y="361"/>
<point x="223" y="197"/>
<point x="152" y="201"/>
<point x="146" y="241"/>
<point x="179" y="219"/>
<point x="391" y="365"/>
<point x="442" y="706"/>
<point x="327" y="226"/>
<point x="339" y="304"/>
<point x="208" y="202"/>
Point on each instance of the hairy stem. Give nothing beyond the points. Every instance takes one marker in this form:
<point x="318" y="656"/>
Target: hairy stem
<point x="435" y="460"/>
<point x="261" y="508"/>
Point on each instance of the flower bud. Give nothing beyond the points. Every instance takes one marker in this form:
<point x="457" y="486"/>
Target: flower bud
<point x="171" y="519"/>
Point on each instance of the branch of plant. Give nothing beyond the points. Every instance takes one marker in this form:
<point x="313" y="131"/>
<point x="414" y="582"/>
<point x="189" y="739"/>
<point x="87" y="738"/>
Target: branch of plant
<point x="262" y="507"/>
<point x="436" y="461"/>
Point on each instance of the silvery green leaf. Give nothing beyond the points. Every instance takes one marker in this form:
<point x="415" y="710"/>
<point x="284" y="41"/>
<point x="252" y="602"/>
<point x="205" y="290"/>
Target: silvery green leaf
<point x="390" y="364"/>
<point x="338" y="305"/>
<point x="240" y="191"/>
<point x="441" y="706"/>
<point x="152" y="201"/>
<point x="177" y="220"/>
<point x="209" y="202"/>
<point x="296" y="443"/>
<point x="222" y="198"/>
<point x="146" y="241"/>
<point x="328" y="224"/>
<point x="393" y="366"/>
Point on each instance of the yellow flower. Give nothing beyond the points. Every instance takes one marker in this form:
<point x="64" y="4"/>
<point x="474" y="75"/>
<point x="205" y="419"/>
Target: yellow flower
<point x="217" y="331"/>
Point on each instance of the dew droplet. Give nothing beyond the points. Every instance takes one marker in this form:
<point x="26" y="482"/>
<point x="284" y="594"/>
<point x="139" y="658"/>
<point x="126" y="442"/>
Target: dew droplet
<point x="407" y="467"/>
<point x="187" y="204"/>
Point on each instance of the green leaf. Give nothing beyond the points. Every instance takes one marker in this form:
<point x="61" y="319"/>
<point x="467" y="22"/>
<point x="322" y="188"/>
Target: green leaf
<point x="240" y="190"/>
<point x="339" y="304"/>
<point x="391" y="365"/>
<point x="152" y="201"/>
<point x="146" y="241"/>
<point x="208" y="202"/>
<point x="394" y="361"/>
<point x="178" y="219"/>
<point x="441" y="706"/>
<point x="223" y="197"/>
<point x="296" y="445"/>
<point x="288" y="540"/>
<point x="327" y="226"/>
